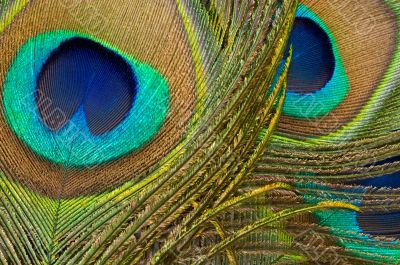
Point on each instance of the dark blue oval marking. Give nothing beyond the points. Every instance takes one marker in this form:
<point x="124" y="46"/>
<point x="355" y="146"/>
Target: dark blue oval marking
<point x="385" y="224"/>
<point x="83" y="73"/>
<point x="313" y="60"/>
<point x="391" y="180"/>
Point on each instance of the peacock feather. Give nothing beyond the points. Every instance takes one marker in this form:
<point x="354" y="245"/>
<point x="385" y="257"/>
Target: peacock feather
<point x="337" y="138"/>
<point x="199" y="132"/>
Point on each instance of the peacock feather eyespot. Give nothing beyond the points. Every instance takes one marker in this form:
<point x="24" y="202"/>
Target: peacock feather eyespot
<point x="317" y="81"/>
<point x="82" y="96"/>
<point x="78" y="103"/>
<point x="363" y="71"/>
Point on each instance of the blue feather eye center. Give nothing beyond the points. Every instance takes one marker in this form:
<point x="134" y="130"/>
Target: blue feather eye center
<point x="81" y="73"/>
<point x="313" y="61"/>
<point x="381" y="224"/>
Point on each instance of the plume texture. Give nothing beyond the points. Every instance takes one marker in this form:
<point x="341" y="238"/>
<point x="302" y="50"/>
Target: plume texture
<point x="199" y="132"/>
